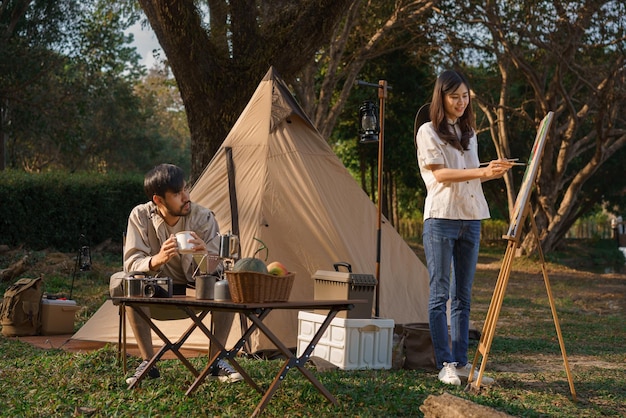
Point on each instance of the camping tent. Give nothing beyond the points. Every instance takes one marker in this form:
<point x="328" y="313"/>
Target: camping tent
<point x="294" y="194"/>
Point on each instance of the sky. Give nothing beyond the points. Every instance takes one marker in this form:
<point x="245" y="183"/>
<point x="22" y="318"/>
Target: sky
<point x="145" y="42"/>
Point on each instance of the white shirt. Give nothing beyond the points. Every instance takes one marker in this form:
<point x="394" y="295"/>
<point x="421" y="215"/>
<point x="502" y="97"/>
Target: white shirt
<point x="456" y="200"/>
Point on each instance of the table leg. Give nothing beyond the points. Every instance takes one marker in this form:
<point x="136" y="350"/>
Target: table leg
<point x="227" y="354"/>
<point x="123" y="331"/>
<point x="292" y="360"/>
<point x="168" y="345"/>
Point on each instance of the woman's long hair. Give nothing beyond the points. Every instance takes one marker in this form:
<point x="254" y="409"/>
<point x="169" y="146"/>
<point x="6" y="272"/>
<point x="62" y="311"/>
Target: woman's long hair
<point x="448" y="82"/>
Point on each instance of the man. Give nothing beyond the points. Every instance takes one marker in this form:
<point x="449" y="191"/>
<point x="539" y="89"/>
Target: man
<point x="151" y="248"/>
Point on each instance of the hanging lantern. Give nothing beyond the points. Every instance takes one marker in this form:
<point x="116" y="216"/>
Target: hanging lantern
<point x="369" y="126"/>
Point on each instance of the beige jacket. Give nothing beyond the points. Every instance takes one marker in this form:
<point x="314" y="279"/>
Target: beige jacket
<point x="146" y="232"/>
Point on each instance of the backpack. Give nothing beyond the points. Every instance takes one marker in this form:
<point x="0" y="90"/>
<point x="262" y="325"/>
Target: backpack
<point x="19" y="314"/>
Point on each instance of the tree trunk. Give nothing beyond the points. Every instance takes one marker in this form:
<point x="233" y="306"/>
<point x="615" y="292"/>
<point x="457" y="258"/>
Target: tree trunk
<point x="14" y="270"/>
<point x="218" y="70"/>
<point x="449" y="406"/>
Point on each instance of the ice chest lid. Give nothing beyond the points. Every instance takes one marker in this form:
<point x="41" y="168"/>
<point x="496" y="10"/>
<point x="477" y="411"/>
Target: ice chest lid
<point x="355" y="279"/>
<point x="61" y="302"/>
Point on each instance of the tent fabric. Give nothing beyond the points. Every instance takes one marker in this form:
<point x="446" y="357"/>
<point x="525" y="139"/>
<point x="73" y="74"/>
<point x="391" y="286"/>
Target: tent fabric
<point x="103" y="326"/>
<point x="296" y="196"/>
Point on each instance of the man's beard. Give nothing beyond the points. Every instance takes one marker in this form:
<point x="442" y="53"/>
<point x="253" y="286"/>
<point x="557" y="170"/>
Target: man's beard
<point x="179" y="211"/>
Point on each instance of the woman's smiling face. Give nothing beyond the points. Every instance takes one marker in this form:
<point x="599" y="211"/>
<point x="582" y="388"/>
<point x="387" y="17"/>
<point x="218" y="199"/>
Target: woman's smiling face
<point x="454" y="103"/>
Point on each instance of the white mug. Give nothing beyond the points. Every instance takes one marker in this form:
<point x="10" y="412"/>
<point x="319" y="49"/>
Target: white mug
<point x="182" y="238"/>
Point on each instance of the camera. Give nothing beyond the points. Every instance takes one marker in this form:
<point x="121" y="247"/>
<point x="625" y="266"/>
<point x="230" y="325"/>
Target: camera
<point x="138" y="285"/>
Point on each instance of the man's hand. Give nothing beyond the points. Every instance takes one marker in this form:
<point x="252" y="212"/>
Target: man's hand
<point x="199" y="246"/>
<point x="168" y="250"/>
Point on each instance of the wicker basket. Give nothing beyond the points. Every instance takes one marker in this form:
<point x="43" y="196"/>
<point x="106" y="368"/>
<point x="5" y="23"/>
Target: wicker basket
<point x="253" y="287"/>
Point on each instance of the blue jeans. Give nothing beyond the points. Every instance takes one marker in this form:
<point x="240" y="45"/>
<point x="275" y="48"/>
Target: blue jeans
<point x="451" y="249"/>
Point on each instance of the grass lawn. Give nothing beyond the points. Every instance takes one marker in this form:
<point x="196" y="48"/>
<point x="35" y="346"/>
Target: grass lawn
<point x="525" y="358"/>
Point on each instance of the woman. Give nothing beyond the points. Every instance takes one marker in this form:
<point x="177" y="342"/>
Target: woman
<point x="447" y="154"/>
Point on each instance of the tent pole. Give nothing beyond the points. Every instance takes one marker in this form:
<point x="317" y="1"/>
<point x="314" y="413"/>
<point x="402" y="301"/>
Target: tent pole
<point x="382" y="95"/>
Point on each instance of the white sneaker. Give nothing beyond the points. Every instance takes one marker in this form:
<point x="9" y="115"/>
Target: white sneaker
<point x="225" y="373"/>
<point x="448" y="374"/>
<point x="464" y="372"/>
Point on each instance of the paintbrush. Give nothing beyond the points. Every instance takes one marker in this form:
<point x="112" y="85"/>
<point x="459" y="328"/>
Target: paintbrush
<point x="512" y="161"/>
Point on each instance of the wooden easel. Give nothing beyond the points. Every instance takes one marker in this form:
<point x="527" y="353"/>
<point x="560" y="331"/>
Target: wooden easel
<point x="489" y="328"/>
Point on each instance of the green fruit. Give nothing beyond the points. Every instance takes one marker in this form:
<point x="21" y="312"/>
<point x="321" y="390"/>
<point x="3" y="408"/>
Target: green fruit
<point x="250" y="264"/>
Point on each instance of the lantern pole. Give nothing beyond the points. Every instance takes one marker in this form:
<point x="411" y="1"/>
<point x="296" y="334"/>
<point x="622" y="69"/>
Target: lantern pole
<point x="382" y="96"/>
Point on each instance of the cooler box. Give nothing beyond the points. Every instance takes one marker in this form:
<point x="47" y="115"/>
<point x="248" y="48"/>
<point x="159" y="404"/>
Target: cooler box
<point x="57" y="316"/>
<point x="337" y="285"/>
<point x="350" y="344"/>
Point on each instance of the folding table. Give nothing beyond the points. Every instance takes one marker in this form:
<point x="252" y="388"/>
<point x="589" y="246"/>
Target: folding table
<point x="197" y="310"/>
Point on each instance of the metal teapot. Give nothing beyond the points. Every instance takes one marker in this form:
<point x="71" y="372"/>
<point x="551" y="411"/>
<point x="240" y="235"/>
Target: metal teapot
<point x="229" y="246"/>
<point x="221" y="291"/>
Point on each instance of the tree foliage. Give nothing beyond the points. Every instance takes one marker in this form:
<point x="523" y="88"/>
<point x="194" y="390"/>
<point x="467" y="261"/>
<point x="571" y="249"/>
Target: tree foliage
<point x="369" y="32"/>
<point x="371" y="42"/>
<point x="166" y="121"/>
<point x="29" y="31"/>
<point x="403" y="191"/>
<point x="529" y="58"/>
<point x="73" y="96"/>
<point x="68" y="96"/>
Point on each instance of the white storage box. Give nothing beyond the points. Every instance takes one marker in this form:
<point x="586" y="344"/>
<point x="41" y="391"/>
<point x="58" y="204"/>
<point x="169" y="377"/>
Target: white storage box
<point x="57" y="316"/>
<point x="350" y="344"/>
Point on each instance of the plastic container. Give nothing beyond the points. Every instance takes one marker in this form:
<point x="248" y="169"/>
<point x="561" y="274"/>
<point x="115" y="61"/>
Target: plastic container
<point x="350" y="344"/>
<point x="57" y="316"/>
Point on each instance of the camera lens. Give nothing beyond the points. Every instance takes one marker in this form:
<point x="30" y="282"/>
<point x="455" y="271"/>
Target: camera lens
<point x="149" y="290"/>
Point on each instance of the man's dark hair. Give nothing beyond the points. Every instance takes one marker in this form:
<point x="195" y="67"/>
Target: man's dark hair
<point x="163" y="178"/>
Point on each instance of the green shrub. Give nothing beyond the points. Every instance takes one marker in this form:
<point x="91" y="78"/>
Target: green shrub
<point x="53" y="210"/>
